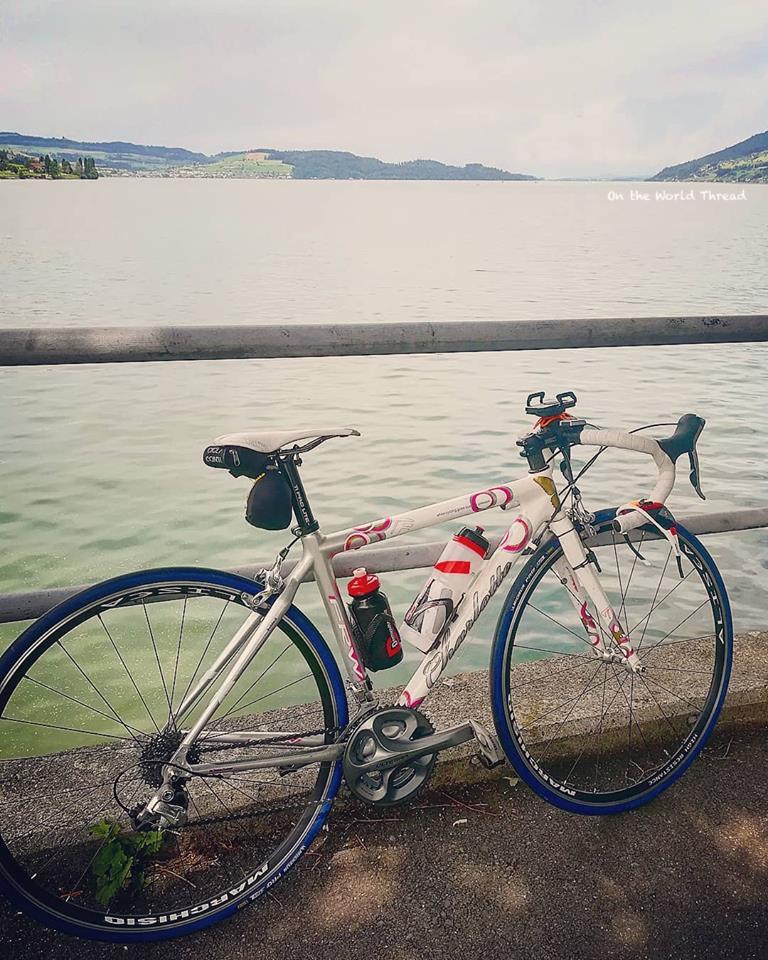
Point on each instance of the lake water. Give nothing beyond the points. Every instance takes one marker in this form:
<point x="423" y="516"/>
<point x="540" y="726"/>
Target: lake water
<point x="100" y="468"/>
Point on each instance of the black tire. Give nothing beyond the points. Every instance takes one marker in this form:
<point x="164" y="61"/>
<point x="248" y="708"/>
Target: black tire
<point x="559" y="715"/>
<point x="63" y="678"/>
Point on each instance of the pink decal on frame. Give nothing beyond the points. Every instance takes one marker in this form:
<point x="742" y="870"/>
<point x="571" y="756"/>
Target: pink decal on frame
<point x="523" y="532"/>
<point x="368" y="533"/>
<point x="493" y="497"/>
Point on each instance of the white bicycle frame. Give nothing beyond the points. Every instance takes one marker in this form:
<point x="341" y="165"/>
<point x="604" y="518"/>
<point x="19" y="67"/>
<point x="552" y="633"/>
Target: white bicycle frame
<point x="538" y="507"/>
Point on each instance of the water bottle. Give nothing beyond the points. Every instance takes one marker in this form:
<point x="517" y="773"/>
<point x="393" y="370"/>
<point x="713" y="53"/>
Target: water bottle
<point x="451" y="576"/>
<point x="377" y="634"/>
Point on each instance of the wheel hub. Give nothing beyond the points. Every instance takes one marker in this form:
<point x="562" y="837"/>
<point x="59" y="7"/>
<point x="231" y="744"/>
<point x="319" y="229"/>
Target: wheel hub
<point x="156" y="753"/>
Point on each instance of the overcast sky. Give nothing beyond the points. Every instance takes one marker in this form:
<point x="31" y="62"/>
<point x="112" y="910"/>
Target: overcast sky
<point x="554" y="88"/>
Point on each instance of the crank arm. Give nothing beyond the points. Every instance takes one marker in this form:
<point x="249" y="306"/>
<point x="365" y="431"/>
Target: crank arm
<point x="441" y="740"/>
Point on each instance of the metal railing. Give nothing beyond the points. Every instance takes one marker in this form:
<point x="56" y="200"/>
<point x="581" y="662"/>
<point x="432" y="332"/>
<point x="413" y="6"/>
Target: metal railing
<point x="29" y="346"/>
<point x="68" y="345"/>
<point x="30" y="604"/>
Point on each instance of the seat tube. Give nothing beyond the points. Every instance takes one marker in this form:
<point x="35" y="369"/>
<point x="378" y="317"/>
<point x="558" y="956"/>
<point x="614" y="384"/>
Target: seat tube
<point x="337" y="614"/>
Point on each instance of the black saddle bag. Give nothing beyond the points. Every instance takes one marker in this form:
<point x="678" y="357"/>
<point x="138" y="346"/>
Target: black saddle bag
<point x="269" y="502"/>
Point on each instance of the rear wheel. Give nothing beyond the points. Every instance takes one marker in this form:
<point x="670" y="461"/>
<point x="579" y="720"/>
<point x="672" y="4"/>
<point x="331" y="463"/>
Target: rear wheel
<point x="589" y="735"/>
<point x="88" y="701"/>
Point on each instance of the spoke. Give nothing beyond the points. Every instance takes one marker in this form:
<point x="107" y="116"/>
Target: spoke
<point x="693" y="673"/>
<point x="246" y="794"/>
<point x="672" y="643"/>
<point x="575" y="700"/>
<point x="226" y="777"/>
<point x="194" y="804"/>
<point x="49" y="796"/>
<point x="205" y="651"/>
<point x="178" y="652"/>
<point x="62" y="848"/>
<point x="553" y="673"/>
<point x="665" y="597"/>
<point x="600" y="729"/>
<point x="677" y="696"/>
<point x="87" y="706"/>
<point x="655" y="595"/>
<point x="94" y="687"/>
<point x="630" y="700"/>
<point x="90" y="862"/>
<point x="559" y="653"/>
<point x="217" y="797"/>
<point x="81" y="794"/>
<point x="579" y="636"/>
<point x="130" y="675"/>
<point x="53" y="726"/>
<point x="157" y="659"/>
<point x="273" y="692"/>
<point x="242" y="697"/>
<point x="676" y="627"/>
<point x="623" y="610"/>
<point x="661" y="709"/>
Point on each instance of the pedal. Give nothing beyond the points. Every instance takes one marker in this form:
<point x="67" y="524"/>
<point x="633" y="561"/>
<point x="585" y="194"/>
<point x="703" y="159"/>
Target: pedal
<point x="490" y="754"/>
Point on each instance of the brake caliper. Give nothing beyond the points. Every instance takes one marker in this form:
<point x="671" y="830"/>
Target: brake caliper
<point x="659" y="517"/>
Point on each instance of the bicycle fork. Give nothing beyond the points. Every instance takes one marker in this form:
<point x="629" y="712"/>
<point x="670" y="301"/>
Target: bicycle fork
<point x="575" y="571"/>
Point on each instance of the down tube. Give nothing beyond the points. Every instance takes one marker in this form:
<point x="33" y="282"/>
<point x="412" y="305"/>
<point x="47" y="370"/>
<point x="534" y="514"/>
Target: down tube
<point x="524" y="528"/>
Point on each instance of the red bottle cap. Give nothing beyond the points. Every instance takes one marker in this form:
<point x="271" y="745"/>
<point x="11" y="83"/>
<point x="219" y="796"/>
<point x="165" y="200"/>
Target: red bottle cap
<point x="362" y="583"/>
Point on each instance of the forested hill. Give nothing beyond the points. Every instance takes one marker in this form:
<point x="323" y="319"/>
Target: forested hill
<point x="744" y="162"/>
<point x="120" y="152"/>
<point x="126" y="159"/>
<point x="337" y="165"/>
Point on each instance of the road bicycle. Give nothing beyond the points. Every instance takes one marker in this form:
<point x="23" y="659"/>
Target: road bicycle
<point x="173" y="740"/>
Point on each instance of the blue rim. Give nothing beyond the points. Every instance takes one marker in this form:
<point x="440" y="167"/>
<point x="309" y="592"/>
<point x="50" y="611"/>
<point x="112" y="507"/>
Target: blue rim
<point x="295" y="619"/>
<point x="498" y="696"/>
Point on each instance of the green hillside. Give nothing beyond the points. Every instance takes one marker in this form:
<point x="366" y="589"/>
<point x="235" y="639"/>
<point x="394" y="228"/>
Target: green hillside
<point x="117" y="155"/>
<point x="241" y="166"/>
<point x="744" y="162"/>
<point x="122" y="158"/>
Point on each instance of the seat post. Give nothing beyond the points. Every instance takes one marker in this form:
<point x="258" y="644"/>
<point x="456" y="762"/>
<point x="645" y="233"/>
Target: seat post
<point x="289" y="468"/>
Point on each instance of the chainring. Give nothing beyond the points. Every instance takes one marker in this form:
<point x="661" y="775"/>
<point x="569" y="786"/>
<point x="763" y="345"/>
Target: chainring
<point x="379" y="738"/>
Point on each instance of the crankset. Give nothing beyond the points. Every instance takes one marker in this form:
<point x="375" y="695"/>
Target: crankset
<point x="392" y="752"/>
<point x="387" y="759"/>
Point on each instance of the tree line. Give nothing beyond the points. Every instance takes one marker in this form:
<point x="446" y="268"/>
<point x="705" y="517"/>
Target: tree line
<point x="46" y="167"/>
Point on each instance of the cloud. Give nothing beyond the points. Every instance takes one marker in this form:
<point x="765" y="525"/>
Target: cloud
<point x="555" y="88"/>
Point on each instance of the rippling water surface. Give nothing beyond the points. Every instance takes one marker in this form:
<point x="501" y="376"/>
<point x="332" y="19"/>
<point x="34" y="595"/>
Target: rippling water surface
<point x="100" y="467"/>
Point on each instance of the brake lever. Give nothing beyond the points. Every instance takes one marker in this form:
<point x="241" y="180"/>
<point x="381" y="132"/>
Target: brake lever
<point x="693" y="476"/>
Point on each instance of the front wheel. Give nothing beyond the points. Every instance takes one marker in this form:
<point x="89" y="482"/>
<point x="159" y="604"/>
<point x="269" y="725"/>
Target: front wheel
<point x="89" y="715"/>
<point x="591" y="736"/>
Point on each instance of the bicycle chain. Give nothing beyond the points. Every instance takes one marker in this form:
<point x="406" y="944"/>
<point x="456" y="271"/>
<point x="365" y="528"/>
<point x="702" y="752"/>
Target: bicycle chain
<point x="267" y="740"/>
<point x="245" y="815"/>
<point x="232" y="817"/>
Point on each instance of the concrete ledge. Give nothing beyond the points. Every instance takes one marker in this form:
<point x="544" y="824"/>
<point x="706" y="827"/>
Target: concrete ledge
<point x="467" y="695"/>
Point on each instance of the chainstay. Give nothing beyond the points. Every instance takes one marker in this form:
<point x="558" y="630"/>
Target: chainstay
<point x="251" y="814"/>
<point x="266" y="741"/>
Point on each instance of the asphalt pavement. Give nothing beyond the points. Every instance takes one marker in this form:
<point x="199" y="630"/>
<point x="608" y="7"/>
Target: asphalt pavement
<point x="489" y="870"/>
